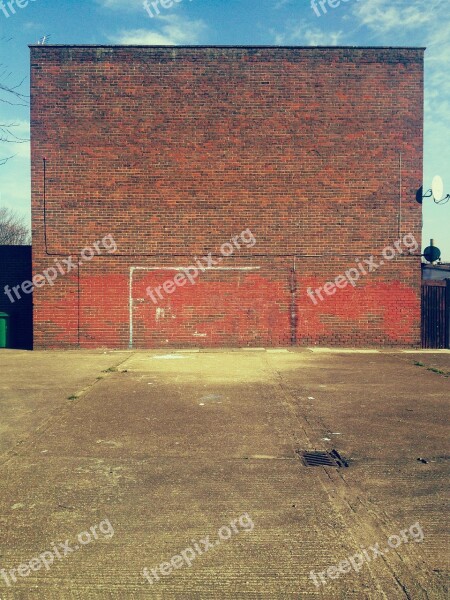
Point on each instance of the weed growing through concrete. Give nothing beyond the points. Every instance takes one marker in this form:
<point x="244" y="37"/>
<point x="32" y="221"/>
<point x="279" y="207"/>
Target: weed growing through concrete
<point x="433" y="369"/>
<point x="59" y="551"/>
<point x="189" y="554"/>
<point x="357" y="561"/>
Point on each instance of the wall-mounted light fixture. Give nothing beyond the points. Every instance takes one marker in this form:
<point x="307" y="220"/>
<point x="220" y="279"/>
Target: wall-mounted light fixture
<point x="432" y="253"/>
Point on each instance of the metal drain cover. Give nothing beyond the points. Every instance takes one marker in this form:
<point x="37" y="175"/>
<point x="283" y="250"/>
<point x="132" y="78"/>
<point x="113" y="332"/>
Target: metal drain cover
<point x="313" y="458"/>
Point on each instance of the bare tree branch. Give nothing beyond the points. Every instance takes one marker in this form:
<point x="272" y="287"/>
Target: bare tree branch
<point x="10" y="94"/>
<point x="13" y="230"/>
<point x="6" y="134"/>
<point x="10" y="91"/>
<point x="3" y="161"/>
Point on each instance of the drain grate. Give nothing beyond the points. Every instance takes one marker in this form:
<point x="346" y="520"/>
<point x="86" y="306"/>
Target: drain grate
<point x="322" y="459"/>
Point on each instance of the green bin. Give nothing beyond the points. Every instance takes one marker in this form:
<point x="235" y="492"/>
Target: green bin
<point x="4" y="330"/>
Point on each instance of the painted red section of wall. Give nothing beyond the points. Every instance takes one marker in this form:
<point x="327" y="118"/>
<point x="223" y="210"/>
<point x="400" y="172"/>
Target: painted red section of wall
<point x="104" y="307"/>
<point x="173" y="151"/>
<point x="232" y="308"/>
<point x="381" y="314"/>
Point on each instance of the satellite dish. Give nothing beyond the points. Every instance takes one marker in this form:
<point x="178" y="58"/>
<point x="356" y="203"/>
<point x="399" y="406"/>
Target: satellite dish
<point x="419" y="195"/>
<point x="437" y="187"/>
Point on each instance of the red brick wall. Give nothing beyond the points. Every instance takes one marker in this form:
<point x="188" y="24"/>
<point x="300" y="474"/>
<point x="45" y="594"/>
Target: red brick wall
<point x="173" y="151"/>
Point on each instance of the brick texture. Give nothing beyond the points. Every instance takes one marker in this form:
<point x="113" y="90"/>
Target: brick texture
<point x="173" y="151"/>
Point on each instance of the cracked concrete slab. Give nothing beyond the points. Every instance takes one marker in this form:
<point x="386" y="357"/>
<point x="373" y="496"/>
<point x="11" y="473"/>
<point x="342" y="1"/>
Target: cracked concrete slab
<point x="171" y="451"/>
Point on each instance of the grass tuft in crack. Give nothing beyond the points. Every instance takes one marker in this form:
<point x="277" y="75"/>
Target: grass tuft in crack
<point x="432" y="369"/>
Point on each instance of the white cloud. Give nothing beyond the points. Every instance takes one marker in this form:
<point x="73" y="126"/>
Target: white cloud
<point x="419" y="23"/>
<point x="385" y="16"/>
<point x="281" y="3"/>
<point x="31" y="25"/>
<point x="122" y="4"/>
<point x="171" y="30"/>
<point x="302" y="34"/>
<point x="437" y="123"/>
<point x="415" y="23"/>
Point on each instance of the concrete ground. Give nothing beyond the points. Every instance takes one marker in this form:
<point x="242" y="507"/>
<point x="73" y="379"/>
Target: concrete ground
<point x="112" y="462"/>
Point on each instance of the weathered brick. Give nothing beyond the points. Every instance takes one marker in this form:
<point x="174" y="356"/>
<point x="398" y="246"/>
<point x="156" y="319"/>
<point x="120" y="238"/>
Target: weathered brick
<point x="175" y="150"/>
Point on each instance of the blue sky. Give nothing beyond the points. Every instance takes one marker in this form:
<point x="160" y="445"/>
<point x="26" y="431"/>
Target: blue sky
<point x="243" y="22"/>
